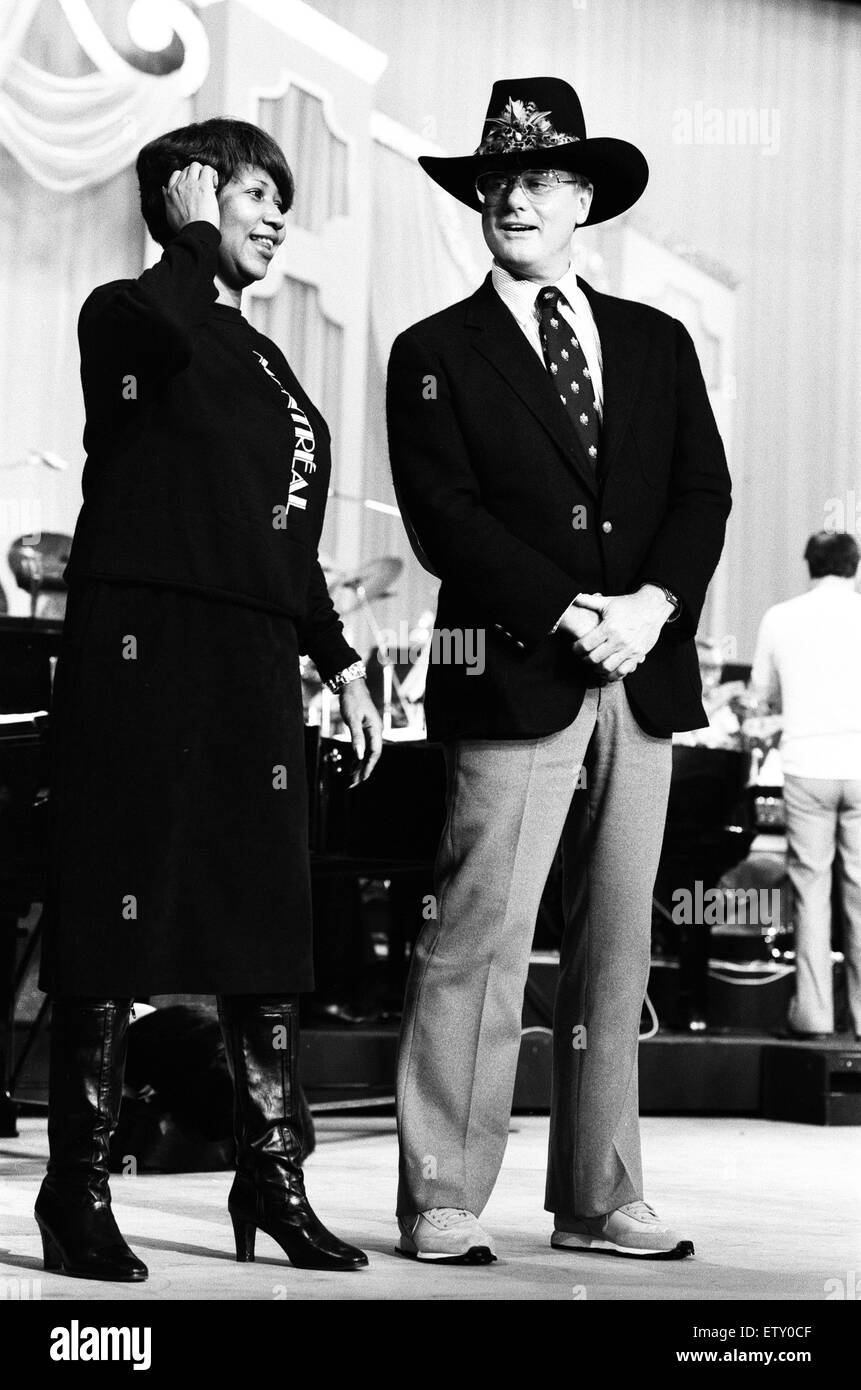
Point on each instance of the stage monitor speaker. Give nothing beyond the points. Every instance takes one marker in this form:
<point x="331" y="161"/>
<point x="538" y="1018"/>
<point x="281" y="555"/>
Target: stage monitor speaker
<point x="812" y="1083"/>
<point x="534" y="1072"/>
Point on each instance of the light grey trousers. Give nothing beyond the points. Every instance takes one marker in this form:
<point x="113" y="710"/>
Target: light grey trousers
<point x="823" y="816"/>
<point x="509" y="804"/>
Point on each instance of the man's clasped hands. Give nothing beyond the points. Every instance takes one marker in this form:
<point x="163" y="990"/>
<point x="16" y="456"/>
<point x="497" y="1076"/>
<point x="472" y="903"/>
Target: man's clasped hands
<point x="614" y="633"/>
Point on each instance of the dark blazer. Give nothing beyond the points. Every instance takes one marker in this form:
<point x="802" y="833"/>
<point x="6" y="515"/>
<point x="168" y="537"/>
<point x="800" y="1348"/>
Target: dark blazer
<point x="501" y="503"/>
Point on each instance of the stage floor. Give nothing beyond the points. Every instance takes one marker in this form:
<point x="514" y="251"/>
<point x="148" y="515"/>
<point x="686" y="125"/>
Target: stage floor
<point x="774" y="1211"/>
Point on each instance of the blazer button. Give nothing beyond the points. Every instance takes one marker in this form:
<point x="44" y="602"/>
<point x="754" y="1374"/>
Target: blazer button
<point x="606" y="527"/>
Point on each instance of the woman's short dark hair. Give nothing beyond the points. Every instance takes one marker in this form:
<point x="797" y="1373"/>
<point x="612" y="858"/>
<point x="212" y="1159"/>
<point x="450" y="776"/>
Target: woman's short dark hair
<point x="227" y="145"/>
<point x="832" y="552"/>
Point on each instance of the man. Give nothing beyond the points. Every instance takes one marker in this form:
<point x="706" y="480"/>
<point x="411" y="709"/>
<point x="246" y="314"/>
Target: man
<point x="808" y="665"/>
<point x="558" y="466"/>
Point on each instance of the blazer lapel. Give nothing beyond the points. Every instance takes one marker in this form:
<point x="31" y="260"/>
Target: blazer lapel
<point x="623" y="354"/>
<point x="499" y="339"/>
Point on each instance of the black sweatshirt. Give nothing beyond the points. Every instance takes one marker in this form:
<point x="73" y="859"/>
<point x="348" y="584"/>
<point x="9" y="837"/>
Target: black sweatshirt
<point x="207" y="465"/>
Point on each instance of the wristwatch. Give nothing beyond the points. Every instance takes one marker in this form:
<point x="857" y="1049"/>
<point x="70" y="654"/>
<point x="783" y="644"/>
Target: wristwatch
<point x="670" y="597"/>
<point x="354" y="672"/>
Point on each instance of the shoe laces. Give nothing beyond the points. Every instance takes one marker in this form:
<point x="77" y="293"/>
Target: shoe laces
<point x="448" y="1216"/>
<point x="640" y="1211"/>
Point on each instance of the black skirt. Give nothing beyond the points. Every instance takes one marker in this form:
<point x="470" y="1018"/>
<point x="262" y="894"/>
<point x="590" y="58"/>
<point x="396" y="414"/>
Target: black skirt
<point x="179" y="843"/>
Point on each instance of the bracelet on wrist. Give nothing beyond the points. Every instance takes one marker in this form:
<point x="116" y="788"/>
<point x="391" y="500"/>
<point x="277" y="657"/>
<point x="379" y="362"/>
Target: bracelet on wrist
<point x="356" y="671"/>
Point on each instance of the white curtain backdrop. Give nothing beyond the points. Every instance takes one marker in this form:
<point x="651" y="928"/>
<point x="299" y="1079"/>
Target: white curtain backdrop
<point x="72" y="132"/>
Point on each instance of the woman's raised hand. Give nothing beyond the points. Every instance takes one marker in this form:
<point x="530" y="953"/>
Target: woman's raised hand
<point x="190" y="196"/>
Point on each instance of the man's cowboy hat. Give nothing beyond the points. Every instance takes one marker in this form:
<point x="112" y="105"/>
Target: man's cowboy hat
<point x="537" y="123"/>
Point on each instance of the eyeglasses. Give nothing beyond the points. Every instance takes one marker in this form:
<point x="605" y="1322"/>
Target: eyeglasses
<point x="492" y="188"/>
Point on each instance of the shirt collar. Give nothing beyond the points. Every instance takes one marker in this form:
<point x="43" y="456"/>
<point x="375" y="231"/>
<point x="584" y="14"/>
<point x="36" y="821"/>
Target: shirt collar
<point x="834" y="583"/>
<point x="519" y="295"/>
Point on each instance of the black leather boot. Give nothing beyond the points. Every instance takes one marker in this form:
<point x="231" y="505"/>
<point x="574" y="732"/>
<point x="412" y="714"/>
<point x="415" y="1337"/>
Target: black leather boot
<point x="79" y="1234"/>
<point x="261" y="1036"/>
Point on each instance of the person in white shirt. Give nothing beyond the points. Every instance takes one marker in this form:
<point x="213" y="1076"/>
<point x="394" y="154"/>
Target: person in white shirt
<point x="808" y="665"/>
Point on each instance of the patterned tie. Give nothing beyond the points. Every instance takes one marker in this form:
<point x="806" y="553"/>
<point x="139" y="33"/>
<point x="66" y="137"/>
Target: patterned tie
<point x="566" y="363"/>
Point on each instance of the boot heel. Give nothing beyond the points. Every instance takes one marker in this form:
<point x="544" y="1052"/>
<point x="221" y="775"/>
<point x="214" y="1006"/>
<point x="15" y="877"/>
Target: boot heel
<point x="53" y="1260"/>
<point x="245" y="1234"/>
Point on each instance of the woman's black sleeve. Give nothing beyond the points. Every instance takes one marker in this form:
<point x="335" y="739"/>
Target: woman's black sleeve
<point x="151" y="321"/>
<point x="321" y="633"/>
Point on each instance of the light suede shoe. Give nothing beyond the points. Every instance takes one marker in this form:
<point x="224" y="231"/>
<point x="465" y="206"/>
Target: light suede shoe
<point x="634" y="1229"/>
<point x="449" y="1234"/>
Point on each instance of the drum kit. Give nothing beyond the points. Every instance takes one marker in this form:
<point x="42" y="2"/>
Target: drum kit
<point x="401" y="695"/>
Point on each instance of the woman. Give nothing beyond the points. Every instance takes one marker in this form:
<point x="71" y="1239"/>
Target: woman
<point x="180" y="858"/>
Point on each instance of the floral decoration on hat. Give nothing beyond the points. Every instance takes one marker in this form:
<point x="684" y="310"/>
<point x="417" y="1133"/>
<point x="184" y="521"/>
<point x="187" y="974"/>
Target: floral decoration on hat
<point x="537" y="123"/>
<point x="520" y="126"/>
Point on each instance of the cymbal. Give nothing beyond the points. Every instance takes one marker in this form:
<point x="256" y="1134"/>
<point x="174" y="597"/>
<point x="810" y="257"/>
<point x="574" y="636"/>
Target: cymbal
<point x="373" y="580"/>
